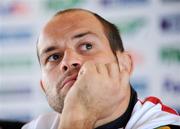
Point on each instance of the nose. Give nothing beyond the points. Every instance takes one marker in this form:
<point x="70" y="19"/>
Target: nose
<point x="71" y="60"/>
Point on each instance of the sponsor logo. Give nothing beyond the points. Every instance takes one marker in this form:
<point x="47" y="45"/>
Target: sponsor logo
<point x="131" y="27"/>
<point x="14" y="8"/>
<point x="170" y="23"/>
<point x="123" y="2"/>
<point x="16" y="33"/>
<point x="17" y="91"/>
<point x="15" y="62"/>
<point x="62" y="4"/>
<point x="170" y="54"/>
<point x="171" y="86"/>
<point x="14" y="90"/>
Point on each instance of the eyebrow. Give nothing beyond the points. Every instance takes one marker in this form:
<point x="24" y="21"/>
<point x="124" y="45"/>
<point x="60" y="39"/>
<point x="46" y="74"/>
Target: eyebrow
<point x="48" y="50"/>
<point x="80" y="35"/>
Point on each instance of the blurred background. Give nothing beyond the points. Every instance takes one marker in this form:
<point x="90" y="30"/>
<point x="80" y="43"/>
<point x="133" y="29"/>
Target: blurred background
<point x="150" y="30"/>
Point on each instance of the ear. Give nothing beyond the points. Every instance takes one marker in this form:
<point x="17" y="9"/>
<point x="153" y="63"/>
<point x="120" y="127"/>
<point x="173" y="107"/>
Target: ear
<point x="42" y="85"/>
<point x="125" y="61"/>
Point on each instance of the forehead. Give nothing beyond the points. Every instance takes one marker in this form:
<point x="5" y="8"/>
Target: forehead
<point x="70" y="22"/>
<point x="64" y="26"/>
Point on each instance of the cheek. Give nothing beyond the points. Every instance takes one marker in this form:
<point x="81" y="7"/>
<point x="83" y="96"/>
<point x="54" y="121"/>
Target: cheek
<point x="49" y="79"/>
<point x="49" y="87"/>
<point x="104" y="58"/>
<point x="51" y="74"/>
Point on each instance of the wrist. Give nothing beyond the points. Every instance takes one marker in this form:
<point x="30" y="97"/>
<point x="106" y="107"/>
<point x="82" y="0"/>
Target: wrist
<point x="76" y="118"/>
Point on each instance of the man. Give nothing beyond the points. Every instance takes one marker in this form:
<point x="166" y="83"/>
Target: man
<point x="85" y="76"/>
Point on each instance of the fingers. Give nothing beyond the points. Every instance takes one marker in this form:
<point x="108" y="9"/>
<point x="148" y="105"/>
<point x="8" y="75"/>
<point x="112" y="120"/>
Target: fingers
<point x="113" y="70"/>
<point x="92" y="68"/>
<point x="110" y="69"/>
<point x="123" y="63"/>
<point x="87" y="68"/>
<point x="102" y="69"/>
<point x="119" y="61"/>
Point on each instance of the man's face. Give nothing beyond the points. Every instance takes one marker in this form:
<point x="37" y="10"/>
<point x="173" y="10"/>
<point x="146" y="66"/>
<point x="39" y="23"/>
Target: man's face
<point x="65" y="43"/>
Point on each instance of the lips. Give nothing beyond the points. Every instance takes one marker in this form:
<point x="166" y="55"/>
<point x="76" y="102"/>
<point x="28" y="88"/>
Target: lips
<point x="69" y="80"/>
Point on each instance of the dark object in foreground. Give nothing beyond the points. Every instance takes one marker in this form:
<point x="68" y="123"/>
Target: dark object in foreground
<point x="10" y="124"/>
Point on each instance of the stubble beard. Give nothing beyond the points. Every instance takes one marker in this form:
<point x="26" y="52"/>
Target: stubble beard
<point x="55" y="100"/>
<point x="54" y="95"/>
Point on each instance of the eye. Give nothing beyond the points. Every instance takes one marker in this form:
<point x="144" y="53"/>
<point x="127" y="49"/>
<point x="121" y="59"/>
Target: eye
<point x="53" y="57"/>
<point x="86" y="46"/>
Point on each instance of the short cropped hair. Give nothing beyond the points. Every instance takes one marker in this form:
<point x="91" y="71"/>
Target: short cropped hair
<point x="110" y="30"/>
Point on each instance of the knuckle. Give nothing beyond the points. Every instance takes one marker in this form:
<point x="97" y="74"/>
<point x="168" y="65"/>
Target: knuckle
<point x="88" y="64"/>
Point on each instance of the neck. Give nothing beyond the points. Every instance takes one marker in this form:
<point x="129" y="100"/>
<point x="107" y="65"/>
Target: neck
<point x="120" y="109"/>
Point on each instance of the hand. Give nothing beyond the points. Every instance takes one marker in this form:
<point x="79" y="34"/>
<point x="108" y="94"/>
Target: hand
<point x="97" y="93"/>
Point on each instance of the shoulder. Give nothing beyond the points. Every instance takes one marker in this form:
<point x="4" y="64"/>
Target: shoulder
<point x="152" y="113"/>
<point x="152" y="102"/>
<point x="45" y="121"/>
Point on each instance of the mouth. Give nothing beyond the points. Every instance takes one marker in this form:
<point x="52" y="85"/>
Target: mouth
<point x="69" y="81"/>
